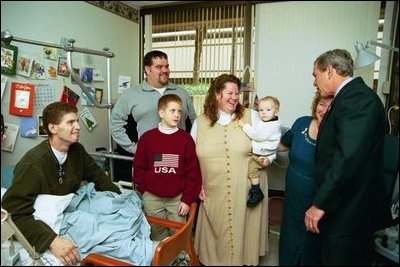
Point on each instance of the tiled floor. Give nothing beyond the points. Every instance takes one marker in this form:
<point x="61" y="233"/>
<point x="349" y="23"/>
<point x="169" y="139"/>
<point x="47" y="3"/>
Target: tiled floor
<point x="271" y="259"/>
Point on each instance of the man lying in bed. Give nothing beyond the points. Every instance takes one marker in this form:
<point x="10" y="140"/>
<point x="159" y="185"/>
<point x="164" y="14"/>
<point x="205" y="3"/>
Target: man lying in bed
<point x="57" y="166"/>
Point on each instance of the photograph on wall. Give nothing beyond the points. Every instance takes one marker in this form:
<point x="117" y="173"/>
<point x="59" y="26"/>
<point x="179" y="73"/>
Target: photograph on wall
<point x="98" y="95"/>
<point x="24" y="65"/>
<point x="9" y="137"/>
<point x="8" y="59"/>
<point x="42" y="132"/>
<point x="62" y="68"/>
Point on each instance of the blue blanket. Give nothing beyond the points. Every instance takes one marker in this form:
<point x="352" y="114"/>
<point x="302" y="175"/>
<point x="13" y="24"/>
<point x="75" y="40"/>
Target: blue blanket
<point x="108" y="223"/>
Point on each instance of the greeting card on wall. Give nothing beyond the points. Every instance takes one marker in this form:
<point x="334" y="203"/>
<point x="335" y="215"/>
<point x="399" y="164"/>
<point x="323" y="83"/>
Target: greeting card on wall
<point x="69" y="96"/>
<point x="28" y="126"/>
<point x="97" y="75"/>
<point x="51" y="70"/>
<point x="10" y="136"/>
<point x="124" y="82"/>
<point x="24" y="65"/>
<point x="87" y="119"/>
<point x="8" y="59"/>
<point x="62" y="68"/>
<point x="98" y="95"/>
<point x="86" y="75"/>
<point x="3" y="84"/>
<point x="76" y="71"/>
<point x="85" y="101"/>
<point x="21" y="99"/>
<point x="42" y="131"/>
<point x="49" y="53"/>
<point x="38" y="71"/>
<point x="63" y="43"/>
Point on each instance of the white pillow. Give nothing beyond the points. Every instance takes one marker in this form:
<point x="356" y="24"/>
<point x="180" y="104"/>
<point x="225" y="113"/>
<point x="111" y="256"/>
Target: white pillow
<point x="50" y="209"/>
<point x="3" y="191"/>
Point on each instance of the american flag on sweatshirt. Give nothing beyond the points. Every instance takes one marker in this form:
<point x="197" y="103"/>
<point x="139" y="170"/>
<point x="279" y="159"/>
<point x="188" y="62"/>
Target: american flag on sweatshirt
<point x="166" y="160"/>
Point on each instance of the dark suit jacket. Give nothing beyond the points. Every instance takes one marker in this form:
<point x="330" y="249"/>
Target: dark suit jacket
<point x="349" y="163"/>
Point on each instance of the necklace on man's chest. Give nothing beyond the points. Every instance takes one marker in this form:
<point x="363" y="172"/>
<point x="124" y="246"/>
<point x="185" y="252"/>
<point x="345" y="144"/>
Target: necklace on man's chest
<point x="61" y="158"/>
<point x="61" y="174"/>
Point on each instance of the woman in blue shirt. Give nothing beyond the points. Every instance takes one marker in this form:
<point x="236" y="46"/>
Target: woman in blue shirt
<point x="296" y="245"/>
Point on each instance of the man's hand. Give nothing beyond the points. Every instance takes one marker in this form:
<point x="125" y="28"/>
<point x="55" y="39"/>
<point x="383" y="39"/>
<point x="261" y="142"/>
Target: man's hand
<point x="312" y="217"/>
<point x="65" y="250"/>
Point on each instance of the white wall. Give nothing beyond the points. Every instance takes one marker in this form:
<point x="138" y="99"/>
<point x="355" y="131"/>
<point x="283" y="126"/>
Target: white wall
<point x="92" y="28"/>
<point x="289" y="37"/>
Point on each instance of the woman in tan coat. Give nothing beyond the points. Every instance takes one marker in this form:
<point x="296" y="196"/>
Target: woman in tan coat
<point x="227" y="231"/>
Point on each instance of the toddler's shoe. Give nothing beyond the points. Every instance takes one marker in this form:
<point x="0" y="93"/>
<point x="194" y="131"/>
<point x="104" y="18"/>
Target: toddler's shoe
<point x="255" y="196"/>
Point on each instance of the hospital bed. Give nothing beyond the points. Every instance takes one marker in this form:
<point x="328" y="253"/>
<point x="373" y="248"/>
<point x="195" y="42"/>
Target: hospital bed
<point x="166" y="251"/>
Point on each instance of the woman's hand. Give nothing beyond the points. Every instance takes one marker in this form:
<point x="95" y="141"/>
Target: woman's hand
<point x="265" y="161"/>
<point x="202" y="194"/>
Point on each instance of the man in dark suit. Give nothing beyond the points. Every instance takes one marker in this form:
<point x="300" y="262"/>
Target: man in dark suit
<point x="351" y="203"/>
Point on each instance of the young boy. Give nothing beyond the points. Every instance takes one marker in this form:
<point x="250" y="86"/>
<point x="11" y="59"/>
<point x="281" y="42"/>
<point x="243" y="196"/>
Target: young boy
<point x="166" y="171"/>
<point x="265" y="137"/>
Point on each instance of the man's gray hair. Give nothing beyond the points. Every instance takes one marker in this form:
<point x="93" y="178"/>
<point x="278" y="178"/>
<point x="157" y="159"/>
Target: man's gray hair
<point x="339" y="59"/>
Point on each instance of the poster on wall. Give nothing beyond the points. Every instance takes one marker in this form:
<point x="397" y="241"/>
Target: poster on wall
<point x="8" y="59"/>
<point x="21" y="99"/>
